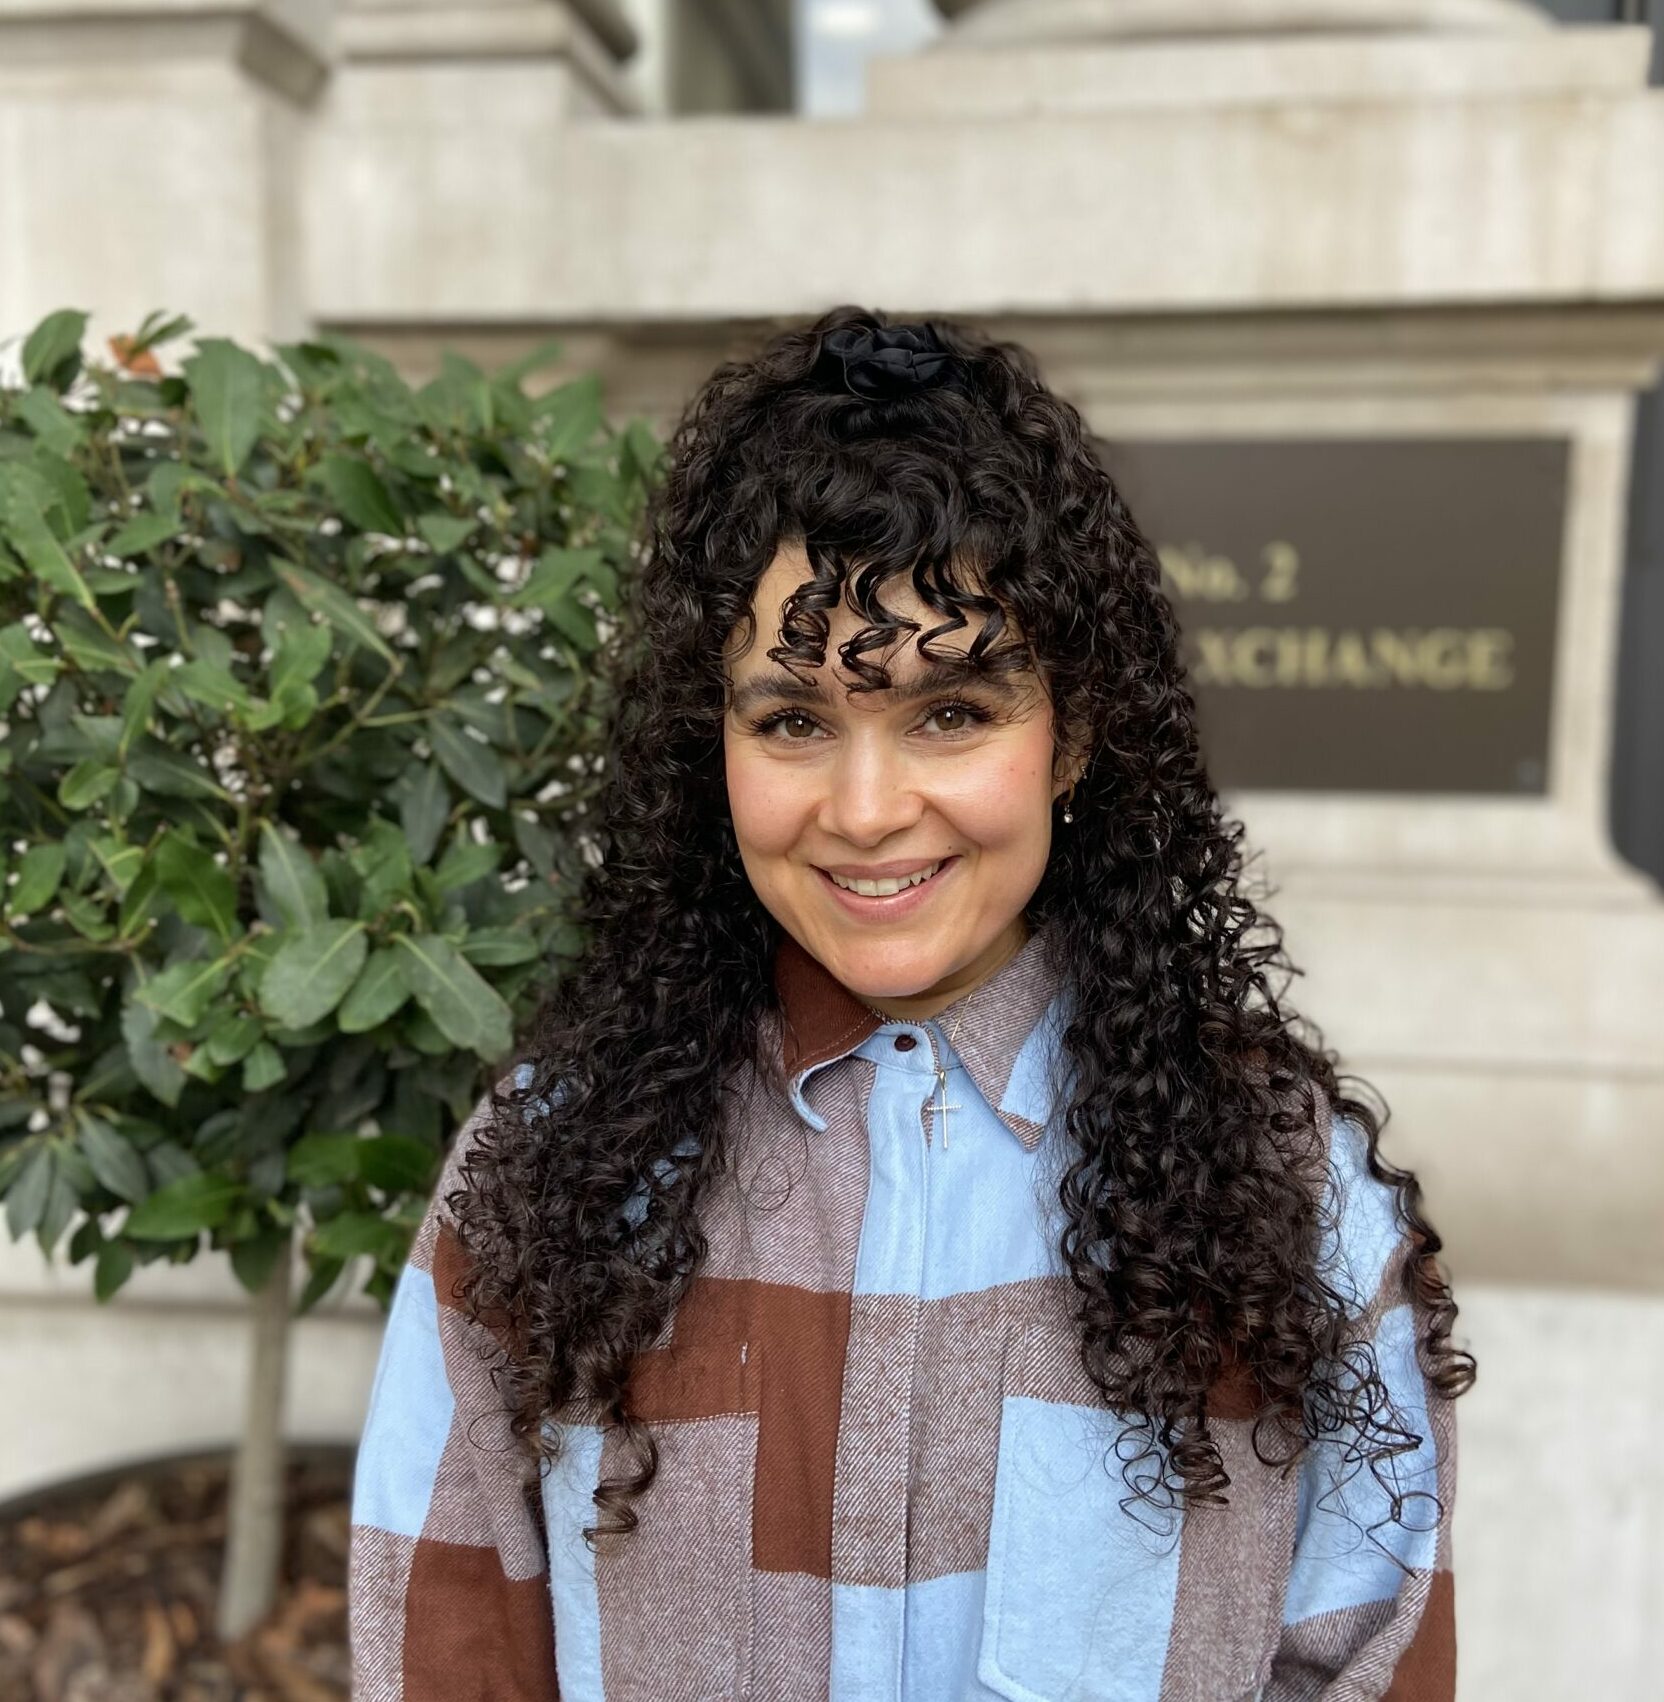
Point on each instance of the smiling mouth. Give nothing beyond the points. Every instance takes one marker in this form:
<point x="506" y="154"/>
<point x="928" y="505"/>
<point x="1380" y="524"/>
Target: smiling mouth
<point x="889" y="888"/>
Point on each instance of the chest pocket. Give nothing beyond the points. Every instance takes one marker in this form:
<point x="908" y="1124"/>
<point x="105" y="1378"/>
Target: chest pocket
<point x="1090" y="1601"/>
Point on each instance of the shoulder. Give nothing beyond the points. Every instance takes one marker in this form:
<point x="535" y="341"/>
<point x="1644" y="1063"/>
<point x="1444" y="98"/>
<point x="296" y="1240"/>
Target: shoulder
<point x="1363" y="1229"/>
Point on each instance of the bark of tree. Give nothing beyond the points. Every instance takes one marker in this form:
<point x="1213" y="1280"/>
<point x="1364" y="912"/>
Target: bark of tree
<point x="254" y="1533"/>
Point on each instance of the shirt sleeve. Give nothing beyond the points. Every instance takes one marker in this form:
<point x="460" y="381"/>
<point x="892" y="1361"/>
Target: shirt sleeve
<point x="1371" y="1610"/>
<point x="447" y="1590"/>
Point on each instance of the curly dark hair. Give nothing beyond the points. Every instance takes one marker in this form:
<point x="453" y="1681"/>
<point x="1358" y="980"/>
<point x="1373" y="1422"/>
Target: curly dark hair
<point x="1193" y="1117"/>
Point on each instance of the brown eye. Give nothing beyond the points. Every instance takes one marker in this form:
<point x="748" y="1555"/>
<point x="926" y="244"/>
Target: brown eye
<point x="970" y="716"/>
<point x="802" y="720"/>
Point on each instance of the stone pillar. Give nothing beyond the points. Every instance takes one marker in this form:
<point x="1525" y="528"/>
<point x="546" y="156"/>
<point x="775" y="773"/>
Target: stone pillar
<point x="149" y="158"/>
<point x="563" y="55"/>
<point x="1012" y="21"/>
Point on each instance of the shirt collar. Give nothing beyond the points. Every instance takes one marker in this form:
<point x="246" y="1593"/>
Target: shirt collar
<point x="1007" y="1034"/>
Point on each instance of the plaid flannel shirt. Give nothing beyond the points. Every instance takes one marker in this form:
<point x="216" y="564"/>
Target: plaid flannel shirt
<point x="884" y="1475"/>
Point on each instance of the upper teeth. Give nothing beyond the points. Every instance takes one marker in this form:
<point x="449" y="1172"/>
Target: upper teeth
<point x="881" y="889"/>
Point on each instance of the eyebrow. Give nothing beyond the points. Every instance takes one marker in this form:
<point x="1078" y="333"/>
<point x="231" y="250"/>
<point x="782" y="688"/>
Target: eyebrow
<point x="934" y="677"/>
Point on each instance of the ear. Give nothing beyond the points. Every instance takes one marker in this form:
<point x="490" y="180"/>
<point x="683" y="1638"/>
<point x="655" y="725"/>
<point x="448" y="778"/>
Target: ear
<point x="1073" y="771"/>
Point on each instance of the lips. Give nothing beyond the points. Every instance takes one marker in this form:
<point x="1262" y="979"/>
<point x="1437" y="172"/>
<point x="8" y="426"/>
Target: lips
<point x="890" y="904"/>
<point x="900" y="878"/>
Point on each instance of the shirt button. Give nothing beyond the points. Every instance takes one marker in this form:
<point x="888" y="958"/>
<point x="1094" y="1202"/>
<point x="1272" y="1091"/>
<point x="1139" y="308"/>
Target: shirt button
<point x="906" y="1042"/>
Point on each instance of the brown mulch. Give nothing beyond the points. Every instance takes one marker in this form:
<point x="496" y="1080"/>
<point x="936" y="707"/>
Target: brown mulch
<point x="107" y="1589"/>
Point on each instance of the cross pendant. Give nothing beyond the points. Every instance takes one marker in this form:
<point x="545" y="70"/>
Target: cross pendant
<point x="945" y="1108"/>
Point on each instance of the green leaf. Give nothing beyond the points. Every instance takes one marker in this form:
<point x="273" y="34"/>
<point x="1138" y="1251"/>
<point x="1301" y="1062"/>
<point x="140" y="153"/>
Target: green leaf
<point x="254" y="1260"/>
<point x="423" y="811"/>
<point x="312" y="971"/>
<point x="360" y="494"/>
<point x="476" y="768"/>
<point x="114" y="1267"/>
<point x="169" y="1161"/>
<point x="263" y="1067"/>
<point x="569" y="416"/>
<point x="19" y="655"/>
<point x="495" y="947"/>
<point x="152" y="1062"/>
<point x="335" y="606"/>
<point x="301" y="652"/>
<point x="466" y="861"/>
<point x="382" y="861"/>
<point x="183" y="1208"/>
<point x="23" y="522"/>
<point x="324" y="1275"/>
<point x="61" y="1204"/>
<point x="31" y="1187"/>
<point x="554" y="576"/>
<point x="62" y="491"/>
<point x="86" y="1240"/>
<point x="323" y="1161"/>
<point x="380" y="989"/>
<point x="157" y="328"/>
<point x="183" y="991"/>
<point x="52" y="351"/>
<point x="142" y="534"/>
<point x="87" y="782"/>
<point x="397" y="1164"/>
<point x="114" y="1159"/>
<point x="293" y="881"/>
<point x="234" y="1039"/>
<point x="218" y="688"/>
<point x="136" y="705"/>
<point x="202" y="891"/>
<point x="140" y="902"/>
<point x="58" y="430"/>
<point x="38" y="875"/>
<point x="227" y="384"/>
<point x="291" y="705"/>
<point x="575" y="621"/>
<point x="86" y="917"/>
<point x="161" y="768"/>
<point x="445" y="532"/>
<point x="90" y="647"/>
<point x="464" y="1006"/>
<point x="352" y="1233"/>
<point x="121" y="862"/>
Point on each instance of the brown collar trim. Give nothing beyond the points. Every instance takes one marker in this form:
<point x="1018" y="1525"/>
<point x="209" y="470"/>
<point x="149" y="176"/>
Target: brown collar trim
<point x="822" y="1018"/>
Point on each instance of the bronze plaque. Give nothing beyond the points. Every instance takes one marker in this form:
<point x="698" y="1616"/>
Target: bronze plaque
<point x="1362" y="614"/>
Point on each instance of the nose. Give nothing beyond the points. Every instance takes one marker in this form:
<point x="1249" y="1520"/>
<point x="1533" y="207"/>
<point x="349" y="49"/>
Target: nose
<point x="870" y="792"/>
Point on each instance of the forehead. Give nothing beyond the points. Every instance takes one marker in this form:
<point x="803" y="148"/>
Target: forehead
<point x="791" y="568"/>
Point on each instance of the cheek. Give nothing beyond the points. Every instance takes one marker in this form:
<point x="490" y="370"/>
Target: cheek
<point x="1005" y="800"/>
<point x="761" y="799"/>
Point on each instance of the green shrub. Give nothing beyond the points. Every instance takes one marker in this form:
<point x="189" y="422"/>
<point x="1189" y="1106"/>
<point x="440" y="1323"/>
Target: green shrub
<point x="299" y="737"/>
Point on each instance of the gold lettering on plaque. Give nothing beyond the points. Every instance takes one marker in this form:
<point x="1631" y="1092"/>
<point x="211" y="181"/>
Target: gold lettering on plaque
<point x="1440" y="658"/>
<point x="1282" y="568"/>
<point x="1194" y="572"/>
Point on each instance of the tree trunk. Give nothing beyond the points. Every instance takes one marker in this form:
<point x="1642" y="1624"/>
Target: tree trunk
<point x="254" y="1531"/>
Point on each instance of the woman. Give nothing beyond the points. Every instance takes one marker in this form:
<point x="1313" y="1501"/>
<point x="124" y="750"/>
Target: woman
<point x="913" y="1257"/>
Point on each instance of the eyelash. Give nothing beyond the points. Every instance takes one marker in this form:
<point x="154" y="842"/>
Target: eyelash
<point x="979" y="717"/>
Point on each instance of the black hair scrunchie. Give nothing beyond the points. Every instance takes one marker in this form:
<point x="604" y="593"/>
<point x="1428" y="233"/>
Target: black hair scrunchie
<point x="883" y="363"/>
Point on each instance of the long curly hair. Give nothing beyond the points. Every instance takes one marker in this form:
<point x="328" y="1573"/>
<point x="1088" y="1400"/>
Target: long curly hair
<point x="1192" y="1225"/>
